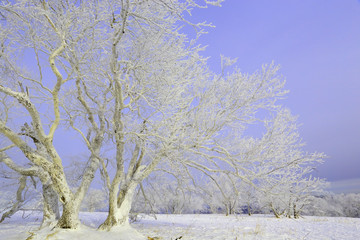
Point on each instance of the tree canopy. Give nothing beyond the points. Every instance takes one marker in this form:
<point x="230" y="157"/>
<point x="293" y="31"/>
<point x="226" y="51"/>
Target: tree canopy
<point x="123" y="77"/>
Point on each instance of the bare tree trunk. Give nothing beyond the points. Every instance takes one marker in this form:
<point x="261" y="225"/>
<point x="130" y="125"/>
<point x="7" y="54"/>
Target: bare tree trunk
<point x="296" y="212"/>
<point x="70" y="215"/>
<point x="288" y="214"/>
<point x="51" y="205"/>
<point x="119" y="209"/>
<point x="249" y="209"/>
<point x="227" y="209"/>
<point x="50" y="197"/>
<point x="276" y="213"/>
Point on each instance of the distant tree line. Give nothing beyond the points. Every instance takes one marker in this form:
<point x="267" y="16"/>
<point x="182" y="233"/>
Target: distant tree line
<point x="165" y="196"/>
<point x="173" y="198"/>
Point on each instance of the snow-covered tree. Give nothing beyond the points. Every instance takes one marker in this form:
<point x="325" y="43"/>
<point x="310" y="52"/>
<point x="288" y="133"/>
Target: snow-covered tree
<point x="50" y="198"/>
<point x="95" y="200"/>
<point x="250" y="199"/>
<point x="287" y="184"/>
<point x="35" y="173"/>
<point x="32" y="26"/>
<point x="163" y="194"/>
<point x="123" y="77"/>
<point x="352" y="205"/>
<point x="222" y="193"/>
<point x="334" y="205"/>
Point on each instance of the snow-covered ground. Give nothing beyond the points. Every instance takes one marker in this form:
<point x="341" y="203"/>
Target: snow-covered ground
<point x="191" y="227"/>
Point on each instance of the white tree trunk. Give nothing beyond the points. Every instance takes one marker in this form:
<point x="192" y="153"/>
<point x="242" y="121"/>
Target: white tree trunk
<point x="119" y="209"/>
<point x="51" y="207"/>
<point x="70" y="215"/>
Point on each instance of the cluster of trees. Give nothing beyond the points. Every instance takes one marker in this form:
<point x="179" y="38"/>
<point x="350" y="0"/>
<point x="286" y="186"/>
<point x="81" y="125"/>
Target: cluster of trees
<point x="225" y="196"/>
<point x="334" y="205"/>
<point x="173" y="198"/>
<point x="120" y="80"/>
<point x="161" y="195"/>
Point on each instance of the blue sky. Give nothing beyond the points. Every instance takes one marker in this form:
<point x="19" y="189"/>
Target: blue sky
<point x="317" y="43"/>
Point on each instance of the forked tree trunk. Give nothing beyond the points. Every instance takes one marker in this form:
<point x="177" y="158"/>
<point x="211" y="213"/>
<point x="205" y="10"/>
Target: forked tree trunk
<point x="229" y="208"/>
<point x="71" y="202"/>
<point x="119" y="209"/>
<point x="276" y="213"/>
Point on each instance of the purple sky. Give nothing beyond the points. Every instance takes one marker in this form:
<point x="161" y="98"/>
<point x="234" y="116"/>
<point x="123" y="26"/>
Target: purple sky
<point x="317" y="43"/>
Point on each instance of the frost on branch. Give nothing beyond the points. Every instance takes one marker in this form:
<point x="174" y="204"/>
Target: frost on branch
<point x="121" y="80"/>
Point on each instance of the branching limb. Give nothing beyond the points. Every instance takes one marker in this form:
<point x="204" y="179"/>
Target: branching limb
<point x="56" y="89"/>
<point x="19" y="199"/>
<point x="7" y="148"/>
<point x="21" y="170"/>
<point x="24" y="100"/>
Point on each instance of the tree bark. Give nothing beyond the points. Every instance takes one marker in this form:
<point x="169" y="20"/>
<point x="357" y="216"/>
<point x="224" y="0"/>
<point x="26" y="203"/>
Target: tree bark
<point x="119" y="209"/>
<point x="70" y="215"/>
<point x="50" y="205"/>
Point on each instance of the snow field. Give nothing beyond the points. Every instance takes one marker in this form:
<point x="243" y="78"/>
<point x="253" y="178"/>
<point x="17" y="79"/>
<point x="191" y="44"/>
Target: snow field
<point x="189" y="226"/>
<point x="249" y="227"/>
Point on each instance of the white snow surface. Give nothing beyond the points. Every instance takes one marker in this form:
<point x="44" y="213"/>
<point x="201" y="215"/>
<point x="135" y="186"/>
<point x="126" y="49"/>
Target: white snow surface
<point x="189" y="226"/>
